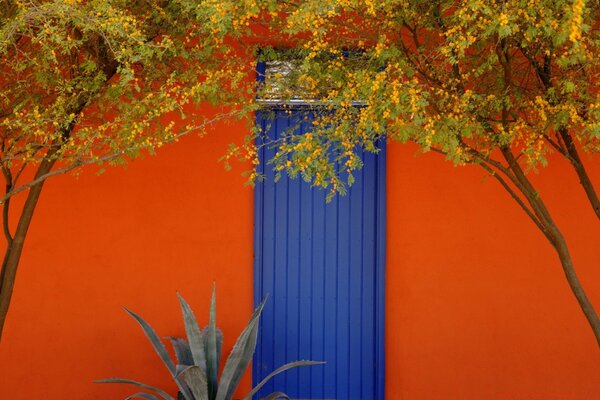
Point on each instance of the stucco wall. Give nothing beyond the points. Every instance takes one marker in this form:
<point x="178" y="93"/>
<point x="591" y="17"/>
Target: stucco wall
<point x="478" y="307"/>
<point x="477" y="304"/>
<point x="131" y="237"/>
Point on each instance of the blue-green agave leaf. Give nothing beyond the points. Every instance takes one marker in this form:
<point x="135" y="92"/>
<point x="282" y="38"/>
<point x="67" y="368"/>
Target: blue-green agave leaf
<point x="219" y="341"/>
<point x="161" y="351"/>
<point x="182" y="350"/>
<point x="142" y="395"/>
<point x="180" y="368"/>
<point x="212" y="362"/>
<point x="195" y="377"/>
<point x="240" y="356"/>
<point x="275" y="396"/>
<point x="155" y="341"/>
<point x="161" y="392"/>
<point x="193" y="333"/>
<point x="295" y="364"/>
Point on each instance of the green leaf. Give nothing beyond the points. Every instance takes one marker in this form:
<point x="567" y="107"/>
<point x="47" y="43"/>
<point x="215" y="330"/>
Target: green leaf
<point x="182" y="351"/>
<point x="212" y="361"/>
<point x="142" y="395"/>
<point x="160" y="350"/>
<point x="240" y="356"/>
<point x="279" y="370"/>
<point x="193" y="333"/>
<point x="219" y="342"/>
<point x="195" y="377"/>
<point x="161" y="392"/>
<point x="275" y="396"/>
<point x="569" y="87"/>
<point x="154" y="340"/>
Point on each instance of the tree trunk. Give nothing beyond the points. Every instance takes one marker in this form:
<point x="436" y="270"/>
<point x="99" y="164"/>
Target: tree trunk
<point x="545" y="222"/>
<point x="567" y="265"/>
<point x="13" y="252"/>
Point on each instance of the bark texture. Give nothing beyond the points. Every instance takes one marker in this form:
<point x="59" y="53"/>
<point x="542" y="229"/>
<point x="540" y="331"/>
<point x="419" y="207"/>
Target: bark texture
<point x="14" y="248"/>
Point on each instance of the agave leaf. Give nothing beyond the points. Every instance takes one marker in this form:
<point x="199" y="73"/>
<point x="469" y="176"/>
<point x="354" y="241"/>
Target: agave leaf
<point x="219" y="341"/>
<point x="212" y="363"/>
<point x="219" y="345"/>
<point x="162" y="352"/>
<point x="142" y="395"/>
<point x="193" y="333"/>
<point x="195" y="377"/>
<point x="155" y="341"/>
<point x="295" y="364"/>
<point x="240" y="356"/>
<point x="161" y="392"/>
<point x="182" y="350"/>
<point x="275" y="396"/>
<point x="181" y="368"/>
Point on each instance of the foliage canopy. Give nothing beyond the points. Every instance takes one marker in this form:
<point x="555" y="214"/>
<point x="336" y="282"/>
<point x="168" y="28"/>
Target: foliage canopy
<point x="94" y="81"/>
<point x="463" y="78"/>
<point x="499" y="84"/>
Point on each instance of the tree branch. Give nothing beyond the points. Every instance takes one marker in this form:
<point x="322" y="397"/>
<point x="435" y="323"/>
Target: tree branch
<point x="6" y="214"/>
<point x="485" y="164"/>
<point x="81" y="162"/>
<point x="569" y="149"/>
<point x="516" y="197"/>
<point x="577" y="163"/>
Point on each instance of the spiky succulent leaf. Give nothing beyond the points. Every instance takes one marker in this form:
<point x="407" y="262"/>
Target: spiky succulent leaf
<point x="240" y="356"/>
<point x="194" y="382"/>
<point x="195" y="377"/>
<point x="219" y="342"/>
<point x="161" y="392"/>
<point x="154" y="340"/>
<point x="295" y="364"/>
<point x="212" y="362"/>
<point x="161" y="351"/>
<point x="275" y="396"/>
<point x="182" y="350"/>
<point x="193" y="333"/>
<point x="142" y="395"/>
<point x="219" y="345"/>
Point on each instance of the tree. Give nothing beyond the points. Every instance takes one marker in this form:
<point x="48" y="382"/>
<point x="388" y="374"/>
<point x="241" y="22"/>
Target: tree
<point x="499" y="84"/>
<point x="99" y="82"/>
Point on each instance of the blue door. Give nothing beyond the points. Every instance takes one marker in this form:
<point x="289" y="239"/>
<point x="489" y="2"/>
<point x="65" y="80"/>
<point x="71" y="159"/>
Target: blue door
<point x="322" y="265"/>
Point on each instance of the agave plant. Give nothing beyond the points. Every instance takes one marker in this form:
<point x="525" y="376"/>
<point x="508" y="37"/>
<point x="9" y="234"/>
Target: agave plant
<point x="198" y="357"/>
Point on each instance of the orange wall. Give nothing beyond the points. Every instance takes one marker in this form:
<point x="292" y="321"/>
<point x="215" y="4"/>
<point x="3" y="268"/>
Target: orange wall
<point x="477" y="305"/>
<point x="130" y="237"/>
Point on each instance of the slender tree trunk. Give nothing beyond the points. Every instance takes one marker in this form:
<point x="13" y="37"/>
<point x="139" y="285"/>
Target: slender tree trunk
<point x="14" y="248"/>
<point x="13" y="252"/>
<point x="584" y="303"/>
<point x="555" y="237"/>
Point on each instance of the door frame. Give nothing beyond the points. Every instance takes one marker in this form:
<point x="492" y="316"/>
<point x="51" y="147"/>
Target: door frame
<point x="380" y="252"/>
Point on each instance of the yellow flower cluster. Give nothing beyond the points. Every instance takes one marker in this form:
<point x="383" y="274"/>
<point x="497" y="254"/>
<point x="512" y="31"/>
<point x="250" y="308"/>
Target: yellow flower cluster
<point x="503" y="19"/>
<point x="576" y="20"/>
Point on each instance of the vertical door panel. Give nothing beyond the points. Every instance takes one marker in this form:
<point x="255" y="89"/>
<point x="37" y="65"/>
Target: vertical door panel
<point x="322" y="266"/>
